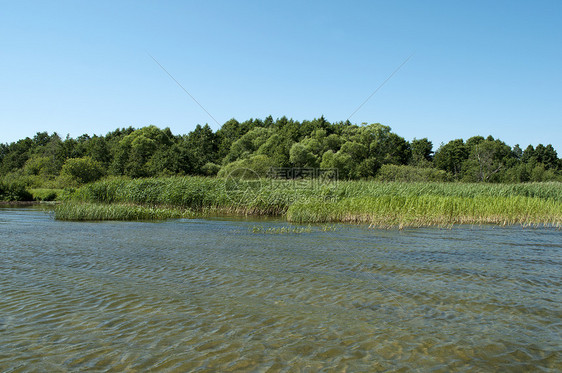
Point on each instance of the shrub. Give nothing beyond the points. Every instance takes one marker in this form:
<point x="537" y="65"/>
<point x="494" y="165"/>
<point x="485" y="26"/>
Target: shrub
<point x="14" y="192"/>
<point x="391" y="172"/>
<point x="81" y="170"/>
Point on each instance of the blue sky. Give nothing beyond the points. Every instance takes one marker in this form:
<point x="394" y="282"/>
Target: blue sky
<point x="477" y="67"/>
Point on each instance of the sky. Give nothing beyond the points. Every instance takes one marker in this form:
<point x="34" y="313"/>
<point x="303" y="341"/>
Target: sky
<point x="451" y="69"/>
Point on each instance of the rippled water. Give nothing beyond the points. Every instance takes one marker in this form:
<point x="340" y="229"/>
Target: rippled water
<point x="210" y="295"/>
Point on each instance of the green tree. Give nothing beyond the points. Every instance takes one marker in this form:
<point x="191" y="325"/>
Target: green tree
<point x="225" y="136"/>
<point x="339" y="161"/>
<point x="135" y="150"/>
<point x="547" y="156"/>
<point x="422" y="152"/>
<point x="15" y="155"/>
<point x="450" y="157"/>
<point x="486" y="160"/>
<point x="301" y="156"/>
<point x="81" y="170"/>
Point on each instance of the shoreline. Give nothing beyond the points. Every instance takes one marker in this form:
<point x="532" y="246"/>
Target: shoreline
<point x="85" y="211"/>
<point x="381" y="205"/>
<point x="19" y="203"/>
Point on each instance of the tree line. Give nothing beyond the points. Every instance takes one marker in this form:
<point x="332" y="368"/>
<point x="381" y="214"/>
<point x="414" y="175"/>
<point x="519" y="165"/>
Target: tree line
<point x="358" y="152"/>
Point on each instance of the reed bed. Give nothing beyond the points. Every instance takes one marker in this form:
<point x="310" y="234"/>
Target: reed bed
<point x="380" y="204"/>
<point x="96" y="212"/>
<point x="428" y="210"/>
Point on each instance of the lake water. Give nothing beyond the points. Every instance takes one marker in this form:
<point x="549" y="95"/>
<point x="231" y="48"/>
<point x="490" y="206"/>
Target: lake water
<point x="211" y="295"/>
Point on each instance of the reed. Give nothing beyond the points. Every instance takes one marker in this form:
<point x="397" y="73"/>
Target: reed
<point x="429" y="210"/>
<point x="386" y="204"/>
<point x="96" y="211"/>
<point x="280" y="230"/>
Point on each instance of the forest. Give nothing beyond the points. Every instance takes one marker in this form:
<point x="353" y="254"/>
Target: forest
<point x="365" y="151"/>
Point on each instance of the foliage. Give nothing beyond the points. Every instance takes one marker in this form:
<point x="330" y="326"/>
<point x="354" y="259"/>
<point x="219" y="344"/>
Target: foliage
<point x="93" y="211"/>
<point x="377" y="203"/>
<point x="14" y="192"/>
<point x="81" y="170"/>
<point x="357" y="151"/>
<point x="402" y="173"/>
<point x="422" y="152"/>
<point x="45" y="194"/>
<point x="427" y="210"/>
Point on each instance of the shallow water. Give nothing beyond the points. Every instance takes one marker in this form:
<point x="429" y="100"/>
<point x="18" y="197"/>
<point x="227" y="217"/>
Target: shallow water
<point x="210" y="295"/>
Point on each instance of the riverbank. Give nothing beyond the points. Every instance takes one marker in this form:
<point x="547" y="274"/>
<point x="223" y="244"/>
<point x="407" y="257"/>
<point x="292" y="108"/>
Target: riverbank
<point x="18" y="203"/>
<point x="374" y="203"/>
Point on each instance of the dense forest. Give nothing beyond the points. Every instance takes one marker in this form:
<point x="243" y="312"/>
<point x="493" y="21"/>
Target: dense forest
<point x="366" y="151"/>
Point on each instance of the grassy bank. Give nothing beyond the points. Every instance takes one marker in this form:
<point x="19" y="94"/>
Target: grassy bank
<point x="378" y="204"/>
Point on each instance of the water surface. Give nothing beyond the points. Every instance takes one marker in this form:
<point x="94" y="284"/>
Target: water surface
<point x="210" y="295"/>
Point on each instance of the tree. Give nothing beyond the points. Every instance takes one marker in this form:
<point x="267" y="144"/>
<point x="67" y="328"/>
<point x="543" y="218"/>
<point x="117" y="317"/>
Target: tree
<point x="277" y="149"/>
<point x="450" y="157"/>
<point x="225" y="136"/>
<point x="15" y="155"/>
<point x="422" y="152"/>
<point x="247" y="144"/>
<point x="168" y="161"/>
<point x="81" y="170"/>
<point x="300" y="156"/>
<point x="517" y="151"/>
<point x="39" y="166"/>
<point x="134" y="151"/>
<point x="547" y="156"/>
<point x="528" y="154"/>
<point x="486" y="159"/>
<point x="340" y="161"/>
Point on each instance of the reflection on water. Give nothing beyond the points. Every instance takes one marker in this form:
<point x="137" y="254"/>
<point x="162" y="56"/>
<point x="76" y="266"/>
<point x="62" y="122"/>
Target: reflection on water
<point x="210" y="295"/>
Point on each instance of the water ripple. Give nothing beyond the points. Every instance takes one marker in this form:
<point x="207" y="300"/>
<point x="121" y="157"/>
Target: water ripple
<point x="194" y="295"/>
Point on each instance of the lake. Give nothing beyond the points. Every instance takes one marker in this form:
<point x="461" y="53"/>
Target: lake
<point x="212" y="295"/>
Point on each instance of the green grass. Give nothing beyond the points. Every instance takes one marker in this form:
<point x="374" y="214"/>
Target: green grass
<point x="377" y="203"/>
<point x="428" y="210"/>
<point x="280" y="230"/>
<point x="97" y="211"/>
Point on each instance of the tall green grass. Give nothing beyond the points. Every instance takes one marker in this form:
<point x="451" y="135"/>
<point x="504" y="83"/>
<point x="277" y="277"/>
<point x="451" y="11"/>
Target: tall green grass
<point x="96" y="211"/>
<point x="427" y="210"/>
<point x="375" y="203"/>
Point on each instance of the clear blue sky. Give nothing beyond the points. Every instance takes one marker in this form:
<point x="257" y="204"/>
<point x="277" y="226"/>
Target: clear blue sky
<point x="478" y="67"/>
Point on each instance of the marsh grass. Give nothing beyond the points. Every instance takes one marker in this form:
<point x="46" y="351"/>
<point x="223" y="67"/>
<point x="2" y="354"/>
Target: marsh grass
<point x="428" y="210"/>
<point x="280" y="230"/>
<point x="95" y="211"/>
<point x="380" y="204"/>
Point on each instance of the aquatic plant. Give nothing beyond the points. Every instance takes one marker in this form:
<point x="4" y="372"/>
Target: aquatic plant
<point x="97" y="211"/>
<point x="427" y="210"/>
<point x="377" y="203"/>
<point x="280" y="230"/>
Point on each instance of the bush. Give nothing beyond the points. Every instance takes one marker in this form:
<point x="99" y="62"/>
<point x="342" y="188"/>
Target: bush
<point x="14" y="192"/>
<point x="210" y="169"/>
<point x="258" y="166"/>
<point x="81" y="171"/>
<point x="391" y="172"/>
<point x="44" y="194"/>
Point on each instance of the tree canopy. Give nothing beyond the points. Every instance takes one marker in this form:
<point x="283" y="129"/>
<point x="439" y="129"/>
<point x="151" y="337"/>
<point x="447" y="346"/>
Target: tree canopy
<point x="357" y="151"/>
